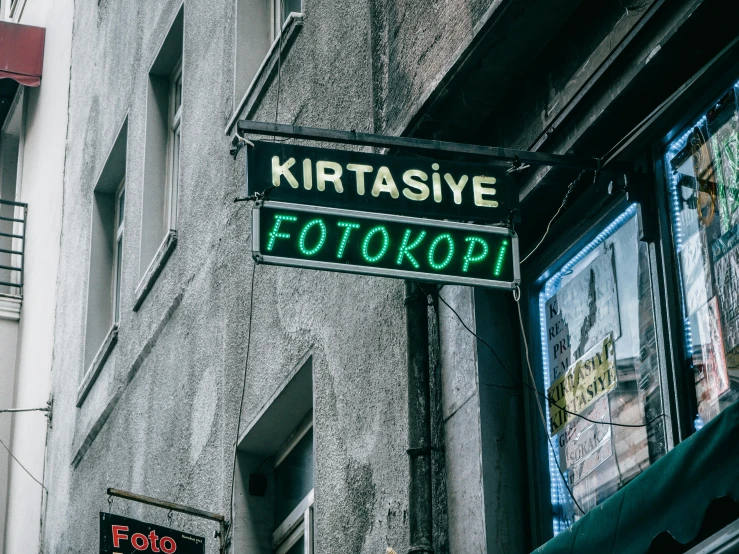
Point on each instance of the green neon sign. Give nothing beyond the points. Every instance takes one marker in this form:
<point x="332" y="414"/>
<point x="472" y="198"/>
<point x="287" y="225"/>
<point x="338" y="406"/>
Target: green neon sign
<point x="409" y="248"/>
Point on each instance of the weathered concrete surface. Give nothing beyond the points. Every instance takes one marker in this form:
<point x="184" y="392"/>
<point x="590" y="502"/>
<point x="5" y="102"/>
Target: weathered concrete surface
<point x="161" y="417"/>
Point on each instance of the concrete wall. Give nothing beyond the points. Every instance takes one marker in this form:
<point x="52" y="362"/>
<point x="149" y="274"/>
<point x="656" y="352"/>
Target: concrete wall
<point x="160" y="418"/>
<point x="40" y="184"/>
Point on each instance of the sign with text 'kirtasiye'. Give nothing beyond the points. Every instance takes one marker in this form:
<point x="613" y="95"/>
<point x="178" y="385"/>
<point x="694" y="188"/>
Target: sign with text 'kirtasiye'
<point x="393" y="185"/>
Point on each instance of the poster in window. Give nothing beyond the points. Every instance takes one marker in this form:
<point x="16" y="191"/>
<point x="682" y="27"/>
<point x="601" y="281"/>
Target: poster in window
<point x="583" y="312"/>
<point x="696" y="272"/>
<point x="724" y="143"/>
<point x="584" y="382"/>
<point x="581" y="442"/>
<point x="712" y="378"/>
<point x="725" y="251"/>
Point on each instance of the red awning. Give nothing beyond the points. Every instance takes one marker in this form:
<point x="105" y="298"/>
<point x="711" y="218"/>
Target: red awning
<point x="21" y="53"/>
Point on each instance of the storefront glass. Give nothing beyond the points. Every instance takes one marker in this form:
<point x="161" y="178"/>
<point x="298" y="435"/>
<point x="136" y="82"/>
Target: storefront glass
<point x="599" y="360"/>
<point x="702" y="168"/>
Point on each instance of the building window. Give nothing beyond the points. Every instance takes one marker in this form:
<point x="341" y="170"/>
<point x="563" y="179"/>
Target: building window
<point x="120" y="205"/>
<point x="258" y="24"/>
<point x="164" y="123"/>
<point x="293" y="486"/>
<point x="273" y="494"/>
<point x="702" y="174"/>
<point x="173" y="177"/>
<point x="107" y="270"/>
<point x="599" y="360"/>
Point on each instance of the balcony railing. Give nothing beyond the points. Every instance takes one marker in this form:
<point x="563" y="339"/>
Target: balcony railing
<point x="12" y="246"/>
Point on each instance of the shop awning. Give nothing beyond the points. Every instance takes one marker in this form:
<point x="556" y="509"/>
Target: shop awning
<point x="686" y="496"/>
<point x="21" y="53"/>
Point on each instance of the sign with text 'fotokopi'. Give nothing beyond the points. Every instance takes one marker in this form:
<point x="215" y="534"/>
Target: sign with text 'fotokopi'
<point x="418" y="187"/>
<point x="123" y="535"/>
<point x="391" y="246"/>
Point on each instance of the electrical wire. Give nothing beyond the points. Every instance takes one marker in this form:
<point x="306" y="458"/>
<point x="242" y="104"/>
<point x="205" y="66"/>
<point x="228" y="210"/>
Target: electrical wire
<point x="517" y="298"/>
<point x="243" y="394"/>
<point x="18" y="410"/>
<point x="533" y="388"/>
<point x="570" y="189"/>
<point x="17" y="461"/>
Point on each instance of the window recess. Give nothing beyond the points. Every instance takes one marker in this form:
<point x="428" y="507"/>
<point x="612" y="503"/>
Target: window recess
<point x="599" y="360"/>
<point x="274" y="494"/>
<point x="107" y="261"/>
<point x="164" y="124"/>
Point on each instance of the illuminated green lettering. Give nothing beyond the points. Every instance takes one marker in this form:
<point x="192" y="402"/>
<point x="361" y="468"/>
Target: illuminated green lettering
<point x="501" y="258"/>
<point x="321" y="239"/>
<point x="348" y="228"/>
<point x="385" y="244"/>
<point x="450" y="251"/>
<point x="274" y="234"/>
<point x="405" y="248"/>
<point x="470" y="257"/>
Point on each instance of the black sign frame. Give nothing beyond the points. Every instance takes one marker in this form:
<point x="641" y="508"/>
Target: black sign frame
<point x="128" y="528"/>
<point x="404" y="181"/>
<point x="261" y="257"/>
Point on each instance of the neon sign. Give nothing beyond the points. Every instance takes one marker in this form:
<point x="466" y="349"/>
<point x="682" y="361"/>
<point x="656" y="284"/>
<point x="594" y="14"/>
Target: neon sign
<point x="374" y="244"/>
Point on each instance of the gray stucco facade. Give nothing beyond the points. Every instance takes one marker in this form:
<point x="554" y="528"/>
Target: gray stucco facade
<point x="159" y="416"/>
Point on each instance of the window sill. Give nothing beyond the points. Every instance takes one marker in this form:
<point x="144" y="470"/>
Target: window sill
<point x="264" y="74"/>
<point x="10" y="307"/>
<point x="154" y="269"/>
<point x="97" y="364"/>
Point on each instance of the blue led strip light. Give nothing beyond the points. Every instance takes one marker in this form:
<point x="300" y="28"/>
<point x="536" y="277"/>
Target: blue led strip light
<point x="677" y="232"/>
<point x="558" y="492"/>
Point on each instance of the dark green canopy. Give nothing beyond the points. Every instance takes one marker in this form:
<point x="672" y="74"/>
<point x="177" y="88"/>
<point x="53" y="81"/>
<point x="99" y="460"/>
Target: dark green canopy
<point x="671" y="497"/>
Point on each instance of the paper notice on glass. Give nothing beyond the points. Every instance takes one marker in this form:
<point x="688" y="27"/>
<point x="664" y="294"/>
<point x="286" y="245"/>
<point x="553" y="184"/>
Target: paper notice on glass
<point x="712" y="377"/>
<point x="725" y="251"/>
<point x="586" y="466"/>
<point x="580" y="438"/>
<point x="584" y="382"/>
<point x="583" y="311"/>
<point x="558" y="339"/>
<point x="696" y="272"/>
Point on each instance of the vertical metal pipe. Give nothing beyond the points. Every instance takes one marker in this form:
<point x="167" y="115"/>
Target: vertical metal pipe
<point x="419" y="420"/>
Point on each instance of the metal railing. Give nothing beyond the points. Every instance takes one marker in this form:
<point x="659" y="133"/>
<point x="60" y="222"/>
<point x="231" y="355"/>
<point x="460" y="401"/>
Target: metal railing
<point x="12" y="246"/>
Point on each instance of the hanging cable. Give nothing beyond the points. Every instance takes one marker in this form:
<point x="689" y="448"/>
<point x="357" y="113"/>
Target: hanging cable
<point x="533" y="388"/>
<point x="517" y="298"/>
<point x="241" y="403"/>
<point x="17" y="461"/>
<point x="570" y="189"/>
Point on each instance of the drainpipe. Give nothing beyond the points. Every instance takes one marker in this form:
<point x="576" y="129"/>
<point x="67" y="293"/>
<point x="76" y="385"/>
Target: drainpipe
<point x="419" y="420"/>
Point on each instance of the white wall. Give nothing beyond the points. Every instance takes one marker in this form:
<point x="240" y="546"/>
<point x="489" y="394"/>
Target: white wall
<point x="41" y="183"/>
<point x="9" y="309"/>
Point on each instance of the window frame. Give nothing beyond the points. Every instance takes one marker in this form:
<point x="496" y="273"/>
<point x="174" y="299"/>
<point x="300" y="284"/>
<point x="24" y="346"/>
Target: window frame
<point x="119" y="226"/>
<point x="577" y="232"/>
<point x="174" y="146"/>
<point x="278" y="21"/>
<point x="683" y="383"/>
<point x="299" y="523"/>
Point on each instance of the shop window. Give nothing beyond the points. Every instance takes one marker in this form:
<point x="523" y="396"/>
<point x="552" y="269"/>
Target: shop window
<point x="273" y="500"/>
<point x="702" y="174"/>
<point x="106" y="257"/>
<point x="599" y="353"/>
<point x="164" y="108"/>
